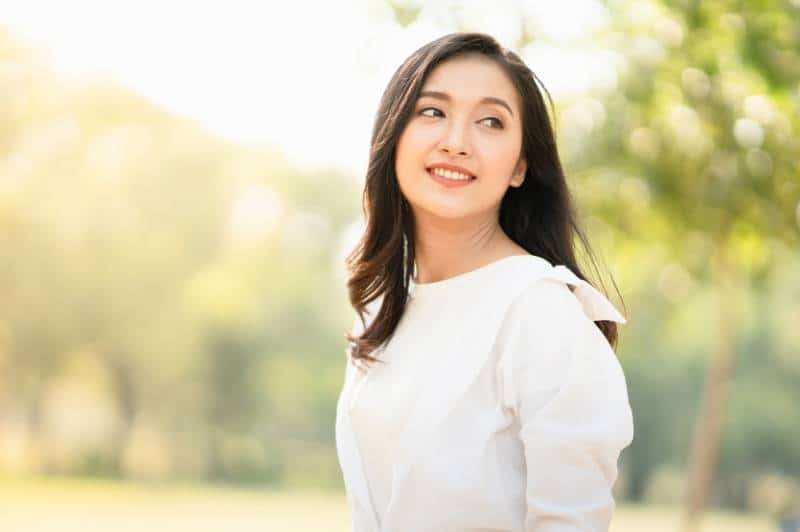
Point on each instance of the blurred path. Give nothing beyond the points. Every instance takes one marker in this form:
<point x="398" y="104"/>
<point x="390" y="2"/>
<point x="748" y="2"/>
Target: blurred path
<point x="67" y="505"/>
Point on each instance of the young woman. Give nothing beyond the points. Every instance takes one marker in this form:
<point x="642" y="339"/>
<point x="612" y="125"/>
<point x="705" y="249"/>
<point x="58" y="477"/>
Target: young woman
<point x="481" y="391"/>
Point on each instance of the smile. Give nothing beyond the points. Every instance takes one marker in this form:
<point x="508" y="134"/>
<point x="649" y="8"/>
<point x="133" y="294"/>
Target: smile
<point x="450" y="179"/>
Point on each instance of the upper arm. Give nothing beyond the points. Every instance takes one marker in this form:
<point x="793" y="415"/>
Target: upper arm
<point x="535" y="342"/>
<point x="569" y="392"/>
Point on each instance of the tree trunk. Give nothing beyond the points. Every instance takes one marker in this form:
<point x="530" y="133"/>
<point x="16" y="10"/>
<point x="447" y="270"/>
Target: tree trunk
<point x="127" y="403"/>
<point x="710" y="421"/>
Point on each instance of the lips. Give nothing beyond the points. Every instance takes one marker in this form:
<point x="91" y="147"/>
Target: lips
<point x="452" y="168"/>
<point x="450" y="183"/>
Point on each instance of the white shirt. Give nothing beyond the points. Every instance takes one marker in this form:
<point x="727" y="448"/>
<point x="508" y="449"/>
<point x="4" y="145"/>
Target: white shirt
<point x="501" y="406"/>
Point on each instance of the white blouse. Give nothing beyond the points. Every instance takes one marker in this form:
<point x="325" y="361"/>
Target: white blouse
<point x="500" y="406"/>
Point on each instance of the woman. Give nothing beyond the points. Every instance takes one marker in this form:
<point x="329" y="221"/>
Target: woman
<point x="481" y="391"/>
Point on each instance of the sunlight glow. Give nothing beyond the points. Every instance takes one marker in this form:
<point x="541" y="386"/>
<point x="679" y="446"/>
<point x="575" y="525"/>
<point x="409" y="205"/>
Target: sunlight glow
<point x="306" y="77"/>
<point x="256" y="212"/>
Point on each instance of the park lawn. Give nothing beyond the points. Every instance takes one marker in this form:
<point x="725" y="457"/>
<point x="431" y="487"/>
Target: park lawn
<point x="88" y="505"/>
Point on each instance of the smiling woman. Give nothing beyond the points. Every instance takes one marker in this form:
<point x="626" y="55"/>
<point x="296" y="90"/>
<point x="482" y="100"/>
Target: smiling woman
<point x="472" y="129"/>
<point x="495" y="401"/>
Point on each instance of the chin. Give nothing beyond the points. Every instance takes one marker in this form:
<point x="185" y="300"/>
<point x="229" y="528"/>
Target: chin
<point x="450" y="212"/>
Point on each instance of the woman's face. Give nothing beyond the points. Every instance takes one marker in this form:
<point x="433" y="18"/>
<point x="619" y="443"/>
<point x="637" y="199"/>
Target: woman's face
<point x="467" y="115"/>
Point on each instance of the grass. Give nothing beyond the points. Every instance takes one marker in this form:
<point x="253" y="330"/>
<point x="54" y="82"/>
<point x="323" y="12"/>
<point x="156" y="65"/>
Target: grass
<point x="88" y="505"/>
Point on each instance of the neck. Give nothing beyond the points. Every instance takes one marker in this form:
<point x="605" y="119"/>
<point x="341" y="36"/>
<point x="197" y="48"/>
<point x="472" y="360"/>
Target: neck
<point x="447" y="247"/>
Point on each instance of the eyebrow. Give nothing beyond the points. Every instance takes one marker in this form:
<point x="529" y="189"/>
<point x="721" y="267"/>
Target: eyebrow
<point x="446" y="97"/>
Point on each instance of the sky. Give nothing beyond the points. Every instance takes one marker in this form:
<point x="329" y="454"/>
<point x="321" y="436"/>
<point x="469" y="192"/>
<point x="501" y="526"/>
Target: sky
<point x="304" y="76"/>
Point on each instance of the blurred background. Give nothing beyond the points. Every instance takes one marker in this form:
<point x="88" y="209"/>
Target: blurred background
<point x="179" y="184"/>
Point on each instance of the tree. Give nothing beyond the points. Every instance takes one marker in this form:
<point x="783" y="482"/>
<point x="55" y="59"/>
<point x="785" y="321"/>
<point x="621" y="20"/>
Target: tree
<point x="707" y="119"/>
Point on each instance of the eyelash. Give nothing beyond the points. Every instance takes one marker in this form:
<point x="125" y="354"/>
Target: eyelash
<point x="499" y="122"/>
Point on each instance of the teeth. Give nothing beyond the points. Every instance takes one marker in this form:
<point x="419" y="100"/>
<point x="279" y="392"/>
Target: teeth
<point x="447" y="174"/>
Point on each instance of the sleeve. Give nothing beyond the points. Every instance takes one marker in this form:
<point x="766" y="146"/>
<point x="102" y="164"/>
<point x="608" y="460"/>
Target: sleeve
<point x="564" y="382"/>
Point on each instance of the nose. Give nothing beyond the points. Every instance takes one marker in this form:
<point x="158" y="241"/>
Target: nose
<point x="454" y="140"/>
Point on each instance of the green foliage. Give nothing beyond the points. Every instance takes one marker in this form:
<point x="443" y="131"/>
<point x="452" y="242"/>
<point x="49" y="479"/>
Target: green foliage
<point x="194" y="278"/>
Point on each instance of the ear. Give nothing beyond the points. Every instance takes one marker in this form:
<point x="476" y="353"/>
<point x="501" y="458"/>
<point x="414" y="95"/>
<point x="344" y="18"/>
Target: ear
<point x="519" y="173"/>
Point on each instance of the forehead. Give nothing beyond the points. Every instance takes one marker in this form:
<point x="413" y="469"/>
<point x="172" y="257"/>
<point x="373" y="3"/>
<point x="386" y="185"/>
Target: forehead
<point x="471" y="76"/>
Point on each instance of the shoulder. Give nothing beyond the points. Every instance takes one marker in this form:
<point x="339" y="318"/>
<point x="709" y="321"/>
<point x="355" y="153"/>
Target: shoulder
<point x="542" y="329"/>
<point x="547" y="339"/>
<point x="546" y="304"/>
<point x="542" y="318"/>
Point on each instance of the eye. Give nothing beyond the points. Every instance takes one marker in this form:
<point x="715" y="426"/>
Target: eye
<point x="499" y="123"/>
<point x="429" y="109"/>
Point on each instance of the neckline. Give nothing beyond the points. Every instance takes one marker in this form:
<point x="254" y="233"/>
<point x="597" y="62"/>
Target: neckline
<point x="418" y="288"/>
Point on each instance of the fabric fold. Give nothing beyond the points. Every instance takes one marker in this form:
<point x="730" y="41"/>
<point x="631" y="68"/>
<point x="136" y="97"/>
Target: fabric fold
<point x="594" y="303"/>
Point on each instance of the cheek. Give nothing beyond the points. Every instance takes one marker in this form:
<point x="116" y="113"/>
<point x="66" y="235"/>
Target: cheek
<point x="403" y="162"/>
<point x="409" y="153"/>
<point x="409" y="143"/>
<point x="502" y="160"/>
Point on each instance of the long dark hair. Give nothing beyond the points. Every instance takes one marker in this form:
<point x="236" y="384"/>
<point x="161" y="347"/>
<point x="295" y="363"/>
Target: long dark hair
<point x="538" y="215"/>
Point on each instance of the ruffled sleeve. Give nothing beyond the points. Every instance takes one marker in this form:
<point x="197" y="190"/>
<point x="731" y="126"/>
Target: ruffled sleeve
<point x="563" y="380"/>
